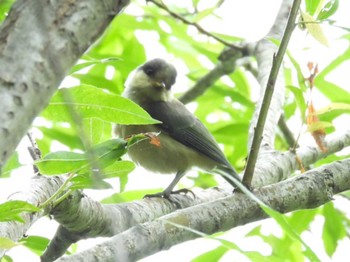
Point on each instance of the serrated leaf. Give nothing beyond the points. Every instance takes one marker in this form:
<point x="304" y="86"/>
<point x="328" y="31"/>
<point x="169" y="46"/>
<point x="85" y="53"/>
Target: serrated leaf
<point x="11" y="210"/>
<point x="314" y="29"/>
<point x="328" y="10"/>
<point x="6" y="243"/>
<point x="91" y="102"/>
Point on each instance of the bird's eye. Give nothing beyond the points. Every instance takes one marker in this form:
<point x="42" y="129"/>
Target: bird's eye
<point x="149" y="71"/>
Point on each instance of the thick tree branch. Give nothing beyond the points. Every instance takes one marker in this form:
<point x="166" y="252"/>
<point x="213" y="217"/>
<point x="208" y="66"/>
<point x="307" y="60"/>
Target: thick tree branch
<point x="310" y="190"/>
<point x="39" y="190"/>
<point x="79" y="214"/>
<point x="39" y="42"/>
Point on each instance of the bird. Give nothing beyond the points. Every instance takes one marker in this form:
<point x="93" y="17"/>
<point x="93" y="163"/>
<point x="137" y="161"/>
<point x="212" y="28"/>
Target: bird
<point x="184" y="141"/>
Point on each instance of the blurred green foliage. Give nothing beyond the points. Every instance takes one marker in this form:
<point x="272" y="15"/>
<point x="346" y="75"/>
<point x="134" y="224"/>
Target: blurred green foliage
<point x="84" y="118"/>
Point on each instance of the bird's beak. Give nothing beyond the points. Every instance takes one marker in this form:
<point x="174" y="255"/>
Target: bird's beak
<point x="161" y="85"/>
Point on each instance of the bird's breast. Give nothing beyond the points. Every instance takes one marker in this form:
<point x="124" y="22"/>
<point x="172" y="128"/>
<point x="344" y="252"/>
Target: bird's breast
<point x="161" y="153"/>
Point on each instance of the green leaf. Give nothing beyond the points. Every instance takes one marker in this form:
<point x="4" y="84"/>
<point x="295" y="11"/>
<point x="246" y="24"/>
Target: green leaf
<point x="6" y="258"/>
<point x="118" y="169"/>
<point x="312" y="6"/>
<point x="343" y="107"/>
<point x="6" y="243"/>
<point x="96" y="130"/>
<point x="204" y="13"/>
<point x="36" y="244"/>
<point x="306" y="216"/>
<point x="299" y="98"/>
<point x="100" y="156"/>
<point x="90" y="102"/>
<point x="320" y="125"/>
<point x="10" y="165"/>
<point x="11" y="210"/>
<point x="5" y="6"/>
<point x="92" y="61"/>
<point x="280" y="219"/>
<point x="61" y="162"/>
<point x="328" y="10"/>
<point x="212" y="255"/>
<point x="314" y="29"/>
<point x="64" y="135"/>
<point x="333" y="228"/>
<point x="91" y="182"/>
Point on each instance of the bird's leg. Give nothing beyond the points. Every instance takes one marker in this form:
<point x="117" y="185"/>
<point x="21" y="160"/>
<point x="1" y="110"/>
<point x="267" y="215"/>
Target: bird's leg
<point x="169" y="190"/>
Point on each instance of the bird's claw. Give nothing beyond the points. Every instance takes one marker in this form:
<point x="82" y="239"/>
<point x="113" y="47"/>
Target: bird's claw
<point x="168" y="195"/>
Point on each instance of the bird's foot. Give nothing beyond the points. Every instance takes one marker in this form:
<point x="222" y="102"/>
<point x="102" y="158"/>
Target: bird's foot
<point x="168" y="195"/>
<point x="184" y="191"/>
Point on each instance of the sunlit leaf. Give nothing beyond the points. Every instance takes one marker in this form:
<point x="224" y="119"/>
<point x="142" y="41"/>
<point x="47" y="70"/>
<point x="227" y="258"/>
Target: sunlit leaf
<point x="36" y="244"/>
<point x="100" y="156"/>
<point x="312" y="6"/>
<point x="11" y="210"/>
<point x="6" y="243"/>
<point x="333" y="229"/>
<point x="10" y="165"/>
<point x="212" y="255"/>
<point x="314" y="29"/>
<point x="90" y="102"/>
<point x="328" y="10"/>
<point x="334" y="106"/>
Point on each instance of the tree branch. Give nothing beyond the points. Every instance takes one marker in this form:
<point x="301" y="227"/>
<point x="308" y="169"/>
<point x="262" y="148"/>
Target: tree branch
<point x="259" y="129"/>
<point x="83" y="218"/>
<point x="226" y="65"/>
<point x="39" y="42"/>
<point x="197" y="26"/>
<point x="39" y="190"/>
<point x="310" y="190"/>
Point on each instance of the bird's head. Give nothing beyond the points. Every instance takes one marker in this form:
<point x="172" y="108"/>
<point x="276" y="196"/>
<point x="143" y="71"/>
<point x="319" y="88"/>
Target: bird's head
<point x="151" y="81"/>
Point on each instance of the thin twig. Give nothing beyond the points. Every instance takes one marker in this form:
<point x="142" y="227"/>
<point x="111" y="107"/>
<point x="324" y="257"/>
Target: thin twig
<point x="287" y="133"/>
<point x="226" y="65"/>
<point x="197" y="26"/>
<point x="34" y="152"/>
<point x="276" y="64"/>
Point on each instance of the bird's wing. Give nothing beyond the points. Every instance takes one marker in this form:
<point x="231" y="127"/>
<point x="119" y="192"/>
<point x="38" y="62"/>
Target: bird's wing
<point x="184" y="127"/>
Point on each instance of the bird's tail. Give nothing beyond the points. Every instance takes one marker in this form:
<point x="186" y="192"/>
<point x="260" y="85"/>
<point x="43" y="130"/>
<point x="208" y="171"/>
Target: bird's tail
<point x="229" y="174"/>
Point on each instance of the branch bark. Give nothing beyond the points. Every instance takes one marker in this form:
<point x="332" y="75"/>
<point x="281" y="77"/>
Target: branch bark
<point x="39" y="42"/>
<point x="309" y="190"/>
<point x="83" y="218"/>
<point x="39" y="190"/>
